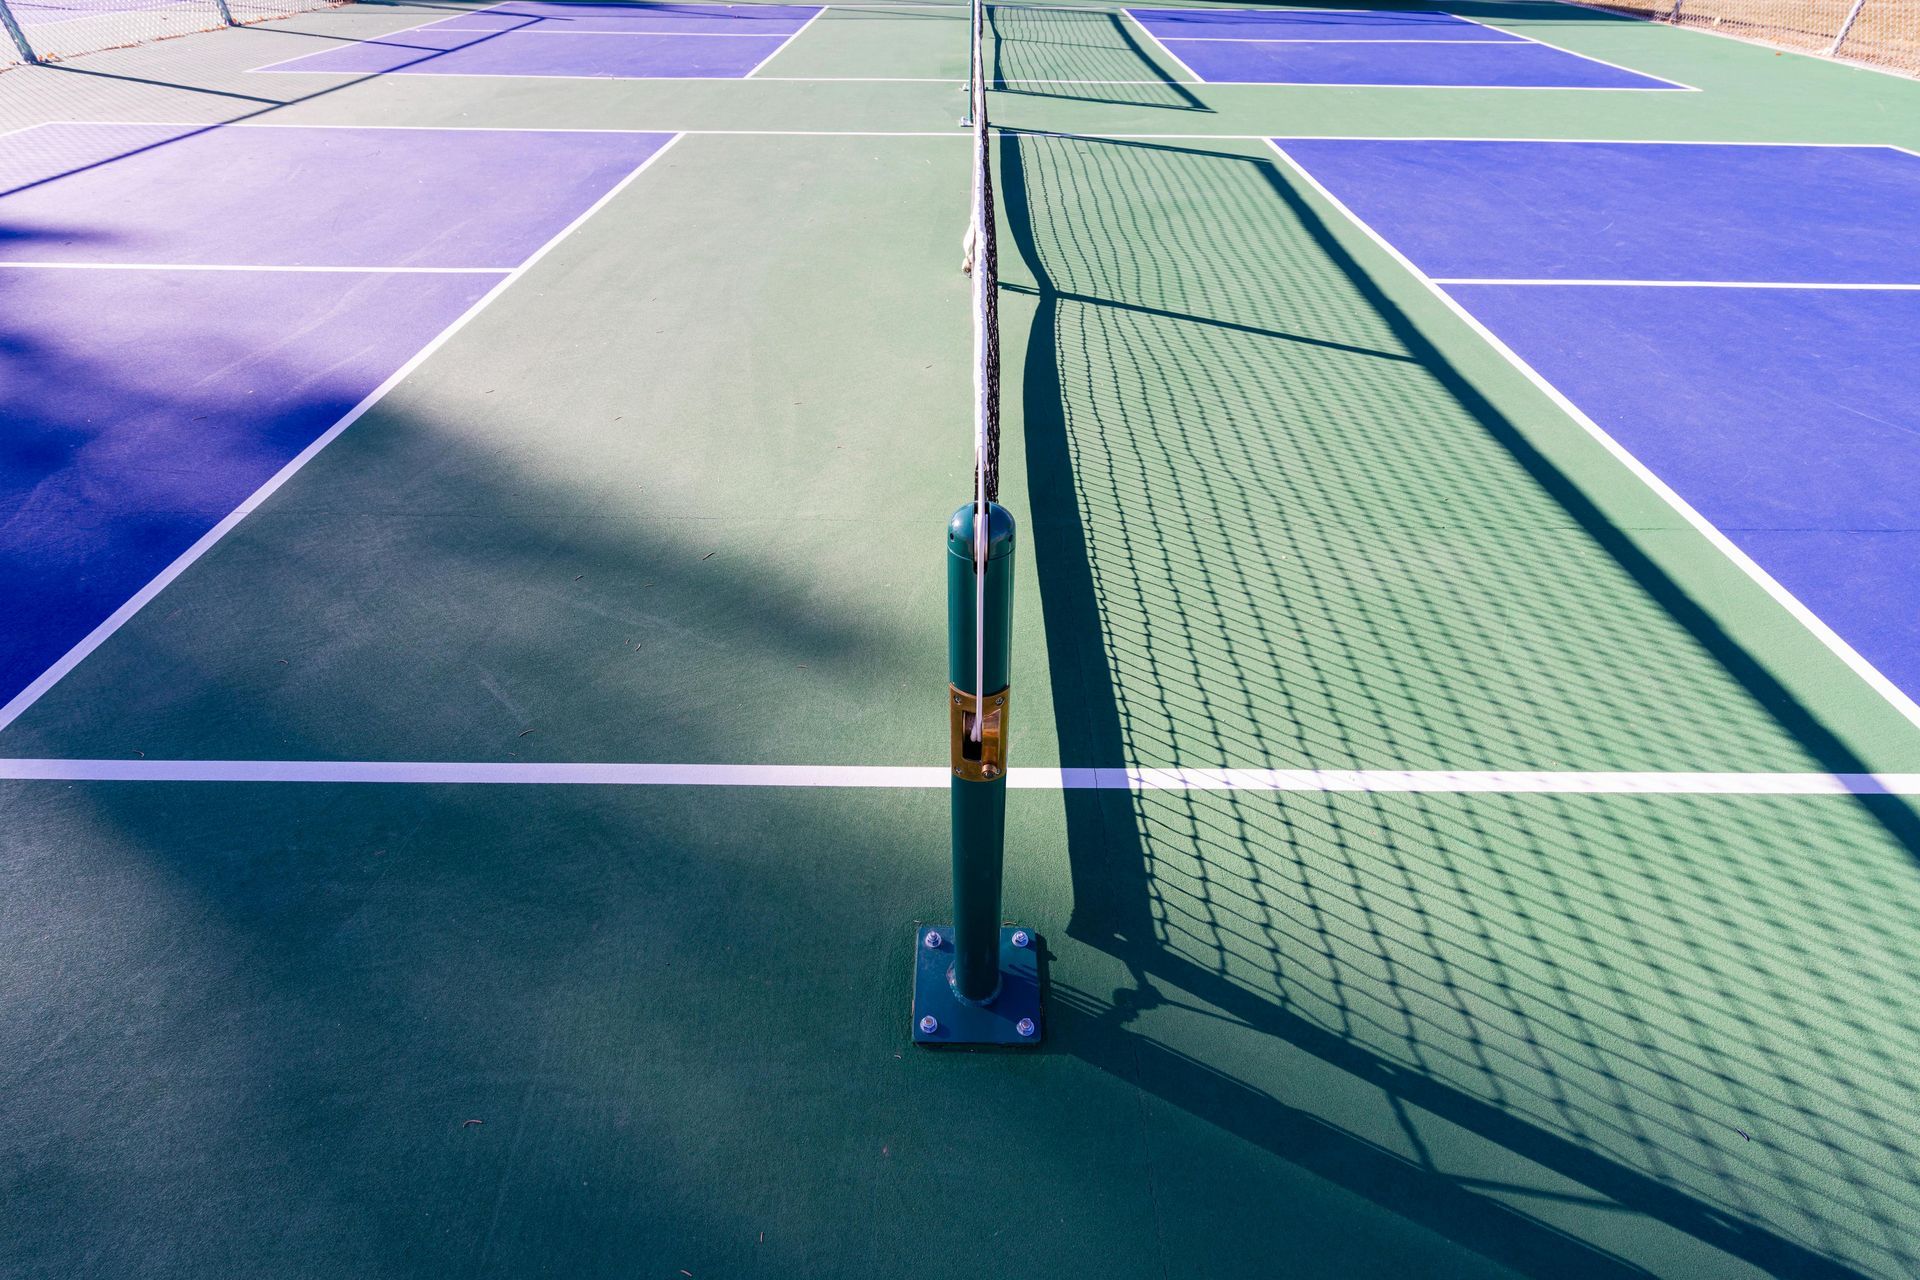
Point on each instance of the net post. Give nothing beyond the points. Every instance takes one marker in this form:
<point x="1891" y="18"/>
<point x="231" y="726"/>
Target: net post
<point x="19" y="37"/>
<point x="978" y="980"/>
<point x="226" y="14"/>
<point x="979" y="633"/>
<point x="1846" y="27"/>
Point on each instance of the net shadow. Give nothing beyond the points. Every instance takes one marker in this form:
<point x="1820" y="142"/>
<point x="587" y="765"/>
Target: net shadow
<point x="1275" y="527"/>
<point x="1079" y="56"/>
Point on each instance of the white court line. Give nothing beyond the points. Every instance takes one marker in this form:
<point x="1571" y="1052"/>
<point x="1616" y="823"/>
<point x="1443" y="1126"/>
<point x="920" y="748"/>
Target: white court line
<point x="1265" y="139"/>
<point x="538" y="31"/>
<point x="138" y="601"/>
<point x="1299" y="40"/>
<point x="937" y="777"/>
<point x="1575" y="53"/>
<point x="224" y="266"/>
<point x="1677" y="284"/>
<point x="418" y="26"/>
<point x="1211" y="84"/>
<point x="817" y="14"/>
<point x="1133" y="11"/>
<point x="1673" y="85"/>
<point x="435" y="24"/>
<point x="1352" y="137"/>
<point x="281" y="69"/>
<point x="500" y="5"/>
<point x="1160" y="44"/>
<point x="1400" y="84"/>
<point x="1516" y="37"/>
<point x="1826" y="635"/>
<point x="251" y="123"/>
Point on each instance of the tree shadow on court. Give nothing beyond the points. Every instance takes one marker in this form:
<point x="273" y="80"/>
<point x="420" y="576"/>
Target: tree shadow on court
<point x="420" y="1031"/>
<point x="1274" y="526"/>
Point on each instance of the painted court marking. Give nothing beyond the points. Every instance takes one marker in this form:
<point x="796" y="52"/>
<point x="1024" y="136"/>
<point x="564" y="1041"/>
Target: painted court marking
<point x="1338" y="54"/>
<point x="246" y="266"/>
<point x="1675" y="284"/>
<point x="1825" y="633"/>
<point x="468" y="45"/>
<point x="782" y="46"/>
<point x="937" y="777"/>
<point x="52" y="675"/>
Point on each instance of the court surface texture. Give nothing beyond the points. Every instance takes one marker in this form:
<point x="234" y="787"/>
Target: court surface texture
<point x="472" y="744"/>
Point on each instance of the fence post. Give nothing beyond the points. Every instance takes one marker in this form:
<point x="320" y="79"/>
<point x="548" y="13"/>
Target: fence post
<point x="1845" y="27"/>
<point x="14" y="32"/>
<point x="226" y="14"/>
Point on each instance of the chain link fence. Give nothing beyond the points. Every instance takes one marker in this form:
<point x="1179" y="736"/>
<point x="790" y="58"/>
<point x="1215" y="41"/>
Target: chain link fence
<point x="54" y="30"/>
<point x="1877" y="33"/>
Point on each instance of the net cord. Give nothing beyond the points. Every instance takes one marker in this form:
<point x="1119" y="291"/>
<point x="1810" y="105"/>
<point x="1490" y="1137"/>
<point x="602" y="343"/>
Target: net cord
<point x="980" y="236"/>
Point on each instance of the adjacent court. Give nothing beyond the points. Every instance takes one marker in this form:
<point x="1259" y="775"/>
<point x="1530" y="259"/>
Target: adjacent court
<point x="198" y="337"/>
<point x="555" y="38"/>
<point x="1418" y="48"/>
<point x="478" y="705"/>
<point x="1761" y="353"/>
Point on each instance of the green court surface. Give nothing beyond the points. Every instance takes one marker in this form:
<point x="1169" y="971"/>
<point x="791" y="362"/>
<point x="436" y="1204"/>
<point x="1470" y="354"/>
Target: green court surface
<point x="678" y="497"/>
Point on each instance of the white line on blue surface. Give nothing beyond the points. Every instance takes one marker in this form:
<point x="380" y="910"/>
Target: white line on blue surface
<point x="1835" y="644"/>
<point x="19" y="703"/>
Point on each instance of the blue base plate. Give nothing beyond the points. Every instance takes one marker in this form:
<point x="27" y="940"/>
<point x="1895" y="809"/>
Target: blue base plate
<point x="960" y="1023"/>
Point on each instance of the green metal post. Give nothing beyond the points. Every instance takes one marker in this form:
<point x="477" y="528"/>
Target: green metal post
<point x="19" y="37"/>
<point x="979" y="782"/>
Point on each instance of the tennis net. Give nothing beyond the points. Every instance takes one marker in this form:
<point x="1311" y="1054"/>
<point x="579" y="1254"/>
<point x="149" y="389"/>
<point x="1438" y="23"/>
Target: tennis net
<point x="47" y="31"/>
<point x="982" y="261"/>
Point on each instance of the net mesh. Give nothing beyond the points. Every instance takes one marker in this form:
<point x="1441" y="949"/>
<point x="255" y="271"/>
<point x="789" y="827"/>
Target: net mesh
<point x="983" y="260"/>
<point x="55" y="30"/>
<point x="1879" y="33"/>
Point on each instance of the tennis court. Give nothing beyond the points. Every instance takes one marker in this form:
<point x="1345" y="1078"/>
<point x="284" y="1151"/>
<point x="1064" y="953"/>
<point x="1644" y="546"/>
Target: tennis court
<point x="473" y="766"/>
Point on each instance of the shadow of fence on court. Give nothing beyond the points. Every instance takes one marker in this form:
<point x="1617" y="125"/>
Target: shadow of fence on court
<point x="1275" y="527"/>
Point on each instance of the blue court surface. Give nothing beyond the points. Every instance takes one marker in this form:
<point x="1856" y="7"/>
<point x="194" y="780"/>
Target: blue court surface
<point x="1745" y="320"/>
<point x="188" y="339"/>
<point x="1427" y="49"/>
<point x="542" y="38"/>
